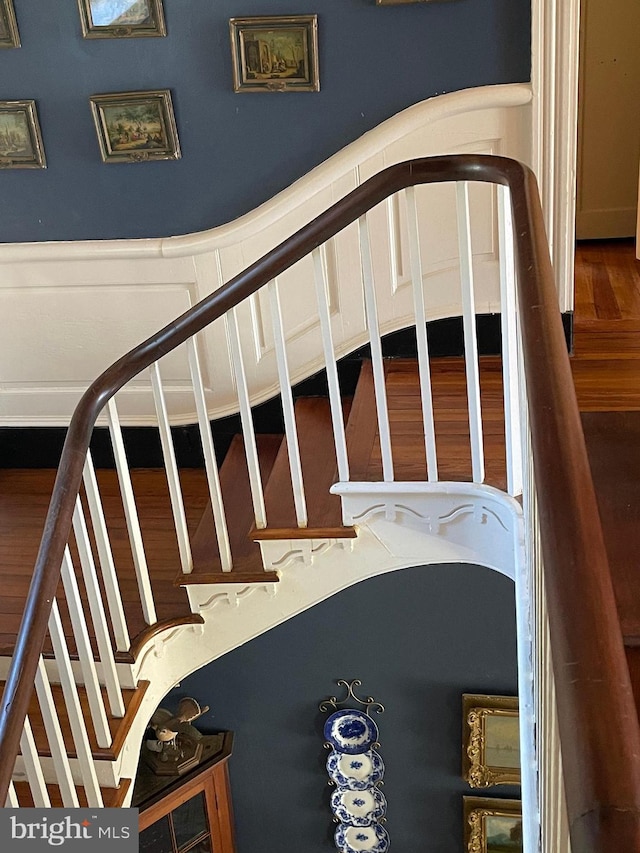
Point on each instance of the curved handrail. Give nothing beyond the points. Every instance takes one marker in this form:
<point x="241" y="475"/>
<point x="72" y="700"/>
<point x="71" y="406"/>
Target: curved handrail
<point x="601" y="748"/>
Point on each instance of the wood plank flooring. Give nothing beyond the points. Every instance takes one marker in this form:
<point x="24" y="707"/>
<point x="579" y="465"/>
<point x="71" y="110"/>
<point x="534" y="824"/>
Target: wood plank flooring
<point x="606" y="370"/>
<point x="606" y="358"/>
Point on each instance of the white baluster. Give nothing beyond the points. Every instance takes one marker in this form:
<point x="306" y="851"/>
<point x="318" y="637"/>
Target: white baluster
<point x="131" y="515"/>
<point x="508" y="313"/>
<point x="421" y="336"/>
<point x="54" y="736"/>
<point x="335" y="399"/>
<point x="74" y="710"/>
<point x="376" y="350"/>
<point x="171" y="468"/>
<point x="85" y="652"/>
<point x="395" y="243"/>
<point x="469" y="325"/>
<point x="246" y="418"/>
<point x="94" y="597"/>
<point x="32" y="765"/>
<point x="105" y="555"/>
<point x="210" y="463"/>
<point x="290" y="428"/>
<point x="12" y="798"/>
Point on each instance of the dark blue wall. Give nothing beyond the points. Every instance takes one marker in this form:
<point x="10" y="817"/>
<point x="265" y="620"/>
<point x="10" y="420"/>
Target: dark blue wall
<point x="238" y="149"/>
<point x="417" y="639"/>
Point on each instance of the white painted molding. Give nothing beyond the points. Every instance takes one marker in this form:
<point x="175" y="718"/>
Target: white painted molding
<point x="387" y="135"/>
<point x="554" y="80"/>
<point x="68" y="310"/>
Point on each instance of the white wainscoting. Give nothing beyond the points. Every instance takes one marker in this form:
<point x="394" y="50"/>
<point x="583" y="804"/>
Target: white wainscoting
<point x="67" y="310"/>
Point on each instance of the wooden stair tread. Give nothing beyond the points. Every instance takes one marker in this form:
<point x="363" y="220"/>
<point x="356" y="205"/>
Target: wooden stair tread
<point x="113" y="798"/>
<point x="451" y="421"/>
<point x="613" y="446"/>
<point x="236" y="495"/>
<point x="319" y="473"/>
<point x="119" y="726"/>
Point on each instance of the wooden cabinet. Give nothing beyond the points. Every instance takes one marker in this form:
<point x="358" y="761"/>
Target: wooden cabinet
<point x="190" y="813"/>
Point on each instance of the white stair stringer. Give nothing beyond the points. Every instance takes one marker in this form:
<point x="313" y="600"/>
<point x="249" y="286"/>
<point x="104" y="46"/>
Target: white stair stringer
<point x="399" y="525"/>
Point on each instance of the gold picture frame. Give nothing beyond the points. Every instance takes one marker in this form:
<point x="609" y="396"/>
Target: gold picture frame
<point x="20" y="138"/>
<point x="491" y="744"/>
<point x="9" y="36"/>
<point x="116" y="19"/>
<point x="136" y="127"/>
<point x="492" y="825"/>
<point x="275" y="54"/>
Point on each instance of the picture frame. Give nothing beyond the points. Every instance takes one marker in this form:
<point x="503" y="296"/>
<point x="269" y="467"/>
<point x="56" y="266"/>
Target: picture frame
<point x="275" y="54"/>
<point x="9" y="36"/>
<point x="492" y="825"/>
<point x="20" y="137"/>
<point x="111" y="19"/>
<point x="491" y="742"/>
<point x="134" y="127"/>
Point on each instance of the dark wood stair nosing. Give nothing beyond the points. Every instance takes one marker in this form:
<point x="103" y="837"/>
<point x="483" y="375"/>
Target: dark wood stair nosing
<point x="227" y="577"/>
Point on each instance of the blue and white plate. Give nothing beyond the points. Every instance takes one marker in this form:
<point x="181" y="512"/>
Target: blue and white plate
<point x="362" y="839"/>
<point x="350" y="731"/>
<point x="358" y="808"/>
<point x="355" y="772"/>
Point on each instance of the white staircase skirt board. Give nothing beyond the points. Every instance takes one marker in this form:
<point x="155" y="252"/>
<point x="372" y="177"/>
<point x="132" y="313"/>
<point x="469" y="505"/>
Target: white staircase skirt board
<point x="418" y="524"/>
<point x="97" y="299"/>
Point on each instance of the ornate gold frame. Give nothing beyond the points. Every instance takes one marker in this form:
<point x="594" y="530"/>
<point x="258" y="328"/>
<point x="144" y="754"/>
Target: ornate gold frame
<point x="248" y="79"/>
<point x="475" y="711"/>
<point x="35" y="160"/>
<point x="155" y="27"/>
<point x="151" y="150"/>
<point x="8" y="15"/>
<point x="476" y="812"/>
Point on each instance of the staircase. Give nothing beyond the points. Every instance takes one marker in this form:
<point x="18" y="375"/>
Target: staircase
<point x="155" y="573"/>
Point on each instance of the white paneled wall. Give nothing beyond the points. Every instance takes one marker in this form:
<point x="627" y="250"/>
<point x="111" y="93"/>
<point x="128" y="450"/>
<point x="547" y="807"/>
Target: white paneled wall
<point x="67" y="310"/>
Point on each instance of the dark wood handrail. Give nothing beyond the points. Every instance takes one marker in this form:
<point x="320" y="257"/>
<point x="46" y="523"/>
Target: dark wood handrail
<point x="597" y="719"/>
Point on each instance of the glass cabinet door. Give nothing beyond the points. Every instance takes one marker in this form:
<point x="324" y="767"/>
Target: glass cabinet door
<point x="157" y="838"/>
<point x="190" y="822"/>
<point x="183" y="830"/>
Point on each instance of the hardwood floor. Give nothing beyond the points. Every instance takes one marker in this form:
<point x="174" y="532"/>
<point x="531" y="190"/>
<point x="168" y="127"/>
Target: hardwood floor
<point x="606" y="370"/>
<point x="606" y="358"/>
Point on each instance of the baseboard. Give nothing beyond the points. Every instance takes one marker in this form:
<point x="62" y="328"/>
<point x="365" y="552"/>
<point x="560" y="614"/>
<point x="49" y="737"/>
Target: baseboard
<point x="40" y="447"/>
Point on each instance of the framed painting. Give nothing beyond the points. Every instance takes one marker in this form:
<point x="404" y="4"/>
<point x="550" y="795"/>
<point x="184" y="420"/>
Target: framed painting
<point x="492" y="825"/>
<point x="275" y="54"/>
<point x="491" y="740"/>
<point x="20" y="137"/>
<point x="136" y="126"/>
<point x="112" y="19"/>
<point x="8" y="26"/>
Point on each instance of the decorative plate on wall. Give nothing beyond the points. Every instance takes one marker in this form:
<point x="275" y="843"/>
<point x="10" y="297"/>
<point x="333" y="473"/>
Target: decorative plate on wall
<point x="358" y="808"/>
<point x="355" y="772"/>
<point x="362" y="839"/>
<point x="350" y="731"/>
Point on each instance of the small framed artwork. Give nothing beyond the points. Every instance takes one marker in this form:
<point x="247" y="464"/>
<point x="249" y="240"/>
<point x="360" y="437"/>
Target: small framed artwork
<point x="491" y="740"/>
<point x="8" y="27"/>
<point x="114" y="19"/>
<point x="136" y="126"/>
<point x="492" y="825"/>
<point x="20" y="137"/>
<point x="275" y="54"/>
